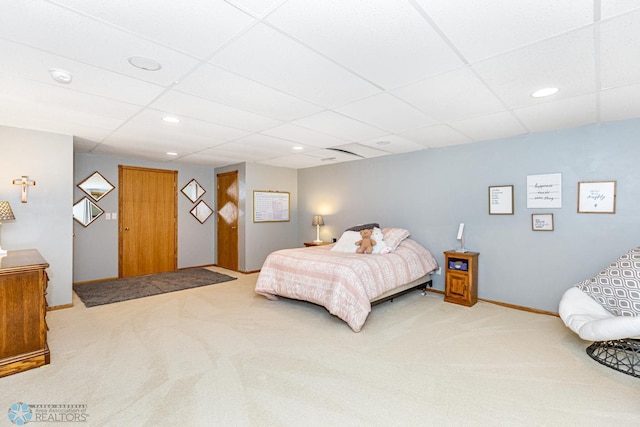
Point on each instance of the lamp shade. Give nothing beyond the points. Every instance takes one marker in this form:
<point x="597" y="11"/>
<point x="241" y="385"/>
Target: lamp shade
<point x="6" y="214"/>
<point x="317" y="220"/>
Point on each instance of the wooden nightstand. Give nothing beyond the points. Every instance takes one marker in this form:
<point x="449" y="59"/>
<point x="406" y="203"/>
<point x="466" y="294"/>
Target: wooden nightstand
<point x="461" y="277"/>
<point x="316" y="243"/>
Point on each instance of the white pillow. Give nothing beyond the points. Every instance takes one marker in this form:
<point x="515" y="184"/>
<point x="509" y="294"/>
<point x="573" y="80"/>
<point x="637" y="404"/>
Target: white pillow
<point x="394" y="236"/>
<point x="347" y="242"/>
<point x="380" y="245"/>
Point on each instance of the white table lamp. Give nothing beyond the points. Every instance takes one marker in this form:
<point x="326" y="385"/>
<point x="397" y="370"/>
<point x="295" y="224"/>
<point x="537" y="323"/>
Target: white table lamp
<point x="317" y="221"/>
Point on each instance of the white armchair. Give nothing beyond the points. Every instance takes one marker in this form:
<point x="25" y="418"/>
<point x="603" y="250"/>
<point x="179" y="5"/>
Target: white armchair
<point x="606" y="309"/>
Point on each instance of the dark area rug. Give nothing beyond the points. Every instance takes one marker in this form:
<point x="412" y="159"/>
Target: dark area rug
<point x="110" y="291"/>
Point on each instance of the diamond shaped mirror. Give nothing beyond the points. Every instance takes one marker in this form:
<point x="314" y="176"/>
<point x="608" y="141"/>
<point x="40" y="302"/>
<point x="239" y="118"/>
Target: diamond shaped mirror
<point x="96" y="186"/>
<point x="85" y="211"/>
<point x="201" y="211"/>
<point x="193" y="190"/>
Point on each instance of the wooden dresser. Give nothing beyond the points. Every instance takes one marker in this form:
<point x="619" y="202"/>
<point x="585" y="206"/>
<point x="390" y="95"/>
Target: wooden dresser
<point x="23" y="307"/>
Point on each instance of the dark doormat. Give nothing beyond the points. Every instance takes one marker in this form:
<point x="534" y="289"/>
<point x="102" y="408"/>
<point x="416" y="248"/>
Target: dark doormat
<point x="110" y="291"/>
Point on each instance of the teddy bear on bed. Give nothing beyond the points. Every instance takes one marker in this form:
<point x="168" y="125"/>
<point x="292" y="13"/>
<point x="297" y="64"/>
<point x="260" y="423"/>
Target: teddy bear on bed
<point x="366" y="243"/>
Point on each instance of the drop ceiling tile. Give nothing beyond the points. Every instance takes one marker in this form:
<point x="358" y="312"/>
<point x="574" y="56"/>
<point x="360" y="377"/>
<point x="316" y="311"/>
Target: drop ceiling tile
<point x="492" y="126"/>
<point x="51" y="103"/>
<point x="183" y="104"/>
<point x="618" y="38"/>
<point x="482" y="29"/>
<point x="616" y="7"/>
<point x="393" y="144"/>
<point x="197" y="30"/>
<point x="387" y="42"/>
<point x="620" y="103"/>
<point x="231" y="89"/>
<point x="451" y="96"/>
<point x="303" y="135"/>
<point x="206" y="134"/>
<point x="386" y="112"/>
<point x="436" y="136"/>
<point x="32" y="64"/>
<point x="256" y="7"/>
<point x="275" y="146"/>
<point x="561" y="114"/>
<point x="60" y="31"/>
<point x="294" y="161"/>
<point x="210" y="158"/>
<point x="269" y="57"/>
<point x="243" y="152"/>
<point x="340" y="126"/>
<point x="566" y="62"/>
<point x="151" y="154"/>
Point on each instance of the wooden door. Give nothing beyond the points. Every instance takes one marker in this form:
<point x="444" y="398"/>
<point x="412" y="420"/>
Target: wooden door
<point x="147" y="221"/>
<point x="228" y="220"/>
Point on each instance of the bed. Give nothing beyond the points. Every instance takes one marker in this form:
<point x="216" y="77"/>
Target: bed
<point x="346" y="284"/>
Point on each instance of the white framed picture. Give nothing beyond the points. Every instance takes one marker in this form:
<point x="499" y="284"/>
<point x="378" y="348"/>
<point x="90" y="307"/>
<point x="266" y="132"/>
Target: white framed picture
<point x="542" y="222"/>
<point x="597" y="197"/>
<point x="544" y="191"/>
<point x="501" y="200"/>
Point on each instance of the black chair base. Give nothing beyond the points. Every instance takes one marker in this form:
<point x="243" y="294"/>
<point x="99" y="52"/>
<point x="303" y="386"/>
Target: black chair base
<point x="622" y="355"/>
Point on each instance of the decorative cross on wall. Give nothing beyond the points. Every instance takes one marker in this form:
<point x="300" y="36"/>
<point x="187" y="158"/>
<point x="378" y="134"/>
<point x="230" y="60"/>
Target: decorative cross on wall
<point x="24" y="181"/>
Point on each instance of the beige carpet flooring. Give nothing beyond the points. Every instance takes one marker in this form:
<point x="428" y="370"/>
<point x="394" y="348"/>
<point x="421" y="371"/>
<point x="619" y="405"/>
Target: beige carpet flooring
<point x="223" y="356"/>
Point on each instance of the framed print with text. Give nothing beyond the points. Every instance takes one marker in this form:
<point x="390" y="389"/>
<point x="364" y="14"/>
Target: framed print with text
<point x="501" y="200"/>
<point x="544" y="191"/>
<point x="542" y="222"/>
<point x="597" y="197"/>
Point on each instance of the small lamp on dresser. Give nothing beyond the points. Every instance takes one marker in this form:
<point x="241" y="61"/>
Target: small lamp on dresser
<point x="6" y="214"/>
<point x="317" y="222"/>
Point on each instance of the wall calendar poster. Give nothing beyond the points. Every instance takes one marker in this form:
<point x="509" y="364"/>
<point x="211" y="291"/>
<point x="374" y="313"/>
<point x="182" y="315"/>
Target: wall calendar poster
<point x="270" y="206"/>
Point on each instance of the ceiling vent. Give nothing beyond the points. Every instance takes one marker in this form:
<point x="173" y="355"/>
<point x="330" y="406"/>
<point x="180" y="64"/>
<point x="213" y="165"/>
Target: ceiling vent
<point x="358" y="150"/>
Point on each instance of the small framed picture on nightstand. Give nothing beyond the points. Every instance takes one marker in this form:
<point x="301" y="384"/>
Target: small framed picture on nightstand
<point x="542" y="222"/>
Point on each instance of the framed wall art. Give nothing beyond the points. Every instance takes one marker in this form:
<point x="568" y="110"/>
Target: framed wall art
<point x="542" y="222"/>
<point x="597" y="197"/>
<point x="501" y="200"/>
<point x="544" y="191"/>
<point x="270" y="206"/>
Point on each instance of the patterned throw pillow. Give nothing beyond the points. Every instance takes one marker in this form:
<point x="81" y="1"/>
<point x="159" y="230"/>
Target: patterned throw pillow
<point x="617" y="288"/>
<point x="394" y="236"/>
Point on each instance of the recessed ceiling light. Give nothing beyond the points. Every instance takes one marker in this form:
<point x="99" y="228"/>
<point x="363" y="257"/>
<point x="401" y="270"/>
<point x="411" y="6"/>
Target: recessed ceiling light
<point x="61" y="76"/>
<point x="297" y="147"/>
<point x="547" y="91"/>
<point x="171" y="119"/>
<point x="171" y="153"/>
<point x="143" y="63"/>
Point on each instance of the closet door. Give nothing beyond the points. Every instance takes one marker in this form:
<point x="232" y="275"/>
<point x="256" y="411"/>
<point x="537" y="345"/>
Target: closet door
<point x="147" y="221"/>
<point x="228" y="220"/>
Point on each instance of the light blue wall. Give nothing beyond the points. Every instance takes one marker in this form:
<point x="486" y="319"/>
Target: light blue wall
<point x="45" y="221"/>
<point x="96" y="246"/>
<point x="257" y="240"/>
<point x="266" y="237"/>
<point x="431" y="192"/>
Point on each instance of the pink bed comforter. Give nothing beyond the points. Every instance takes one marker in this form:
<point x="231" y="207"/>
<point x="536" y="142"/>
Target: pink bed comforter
<point x="343" y="283"/>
